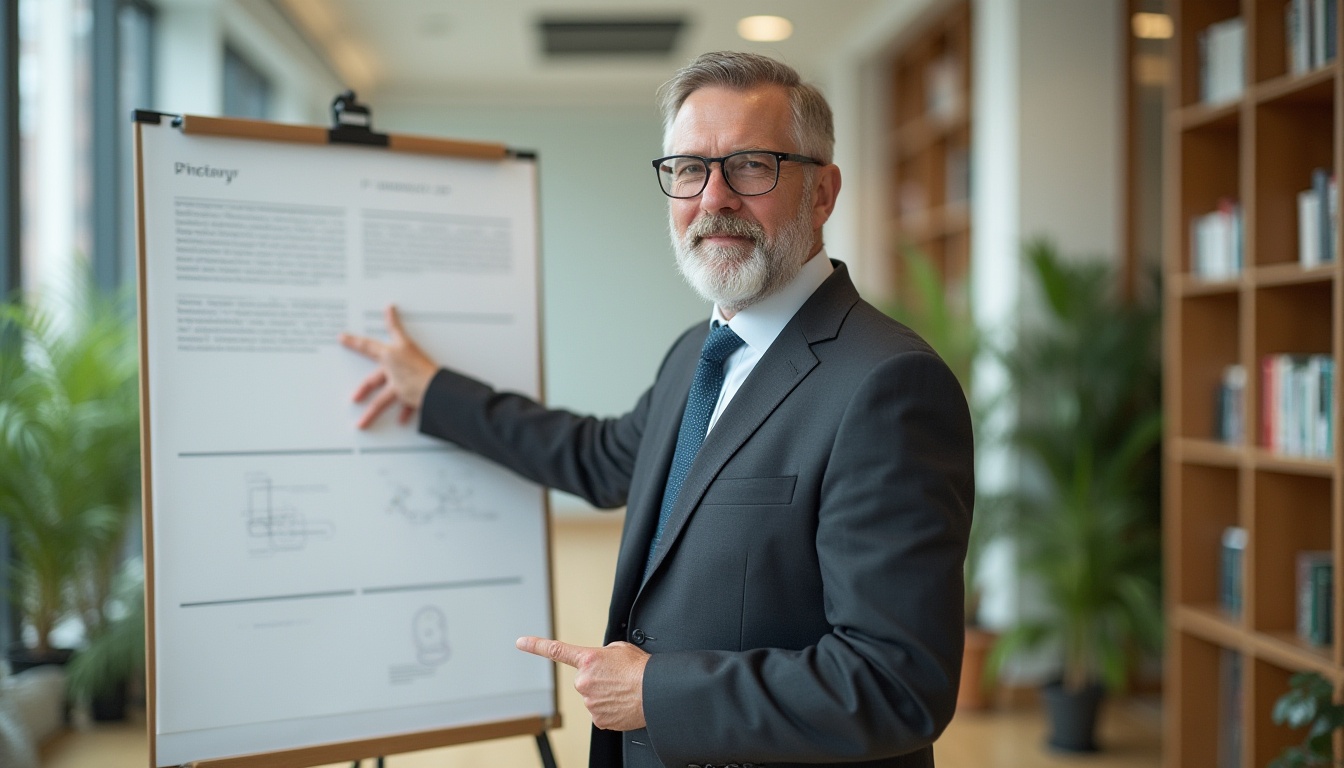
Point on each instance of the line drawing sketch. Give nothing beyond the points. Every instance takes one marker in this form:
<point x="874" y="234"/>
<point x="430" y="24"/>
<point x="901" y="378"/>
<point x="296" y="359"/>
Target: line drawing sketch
<point x="444" y="498"/>
<point x="274" y="521"/>
<point x="431" y="636"/>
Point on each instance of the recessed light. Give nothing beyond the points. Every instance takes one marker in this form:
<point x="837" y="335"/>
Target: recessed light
<point x="1151" y="26"/>
<point x="765" y="29"/>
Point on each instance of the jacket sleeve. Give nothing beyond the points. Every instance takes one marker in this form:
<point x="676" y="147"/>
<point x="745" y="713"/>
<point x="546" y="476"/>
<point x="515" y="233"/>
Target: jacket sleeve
<point x="892" y="525"/>
<point x="589" y="457"/>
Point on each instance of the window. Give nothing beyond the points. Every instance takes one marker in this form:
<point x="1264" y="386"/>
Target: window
<point x="247" y="92"/>
<point x="71" y="70"/>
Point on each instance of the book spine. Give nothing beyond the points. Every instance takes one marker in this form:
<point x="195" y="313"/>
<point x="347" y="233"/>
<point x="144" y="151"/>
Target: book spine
<point x="1267" y="402"/>
<point x="1307" y="241"/>
<point x="1320" y="186"/>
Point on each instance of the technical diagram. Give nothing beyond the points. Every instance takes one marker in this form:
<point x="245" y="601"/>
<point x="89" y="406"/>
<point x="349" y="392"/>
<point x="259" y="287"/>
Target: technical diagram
<point x="275" y="520"/>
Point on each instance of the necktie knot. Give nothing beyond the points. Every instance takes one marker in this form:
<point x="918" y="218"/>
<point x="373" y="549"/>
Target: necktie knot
<point x="720" y="343"/>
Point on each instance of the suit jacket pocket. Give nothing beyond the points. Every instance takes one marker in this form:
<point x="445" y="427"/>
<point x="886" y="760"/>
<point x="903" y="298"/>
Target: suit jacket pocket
<point x="748" y="491"/>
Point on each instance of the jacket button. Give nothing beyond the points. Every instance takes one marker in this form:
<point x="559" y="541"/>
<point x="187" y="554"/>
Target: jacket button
<point x="637" y="636"/>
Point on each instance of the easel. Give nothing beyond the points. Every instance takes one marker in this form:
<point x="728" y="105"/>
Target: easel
<point x="543" y="746"/>
<point x="351" y="124"/>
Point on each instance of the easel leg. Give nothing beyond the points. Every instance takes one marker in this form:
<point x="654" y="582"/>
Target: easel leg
<point x="544" y="746"/>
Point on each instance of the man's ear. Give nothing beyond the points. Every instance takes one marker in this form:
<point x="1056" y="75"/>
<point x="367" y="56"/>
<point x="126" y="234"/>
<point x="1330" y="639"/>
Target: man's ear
<point x="827" y="188"/>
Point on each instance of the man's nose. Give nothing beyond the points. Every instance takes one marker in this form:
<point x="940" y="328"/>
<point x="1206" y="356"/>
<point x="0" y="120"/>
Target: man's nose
<point x="717" y="195"/>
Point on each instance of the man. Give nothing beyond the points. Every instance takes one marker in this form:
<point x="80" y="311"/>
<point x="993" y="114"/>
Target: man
<point x="789" y="586"/>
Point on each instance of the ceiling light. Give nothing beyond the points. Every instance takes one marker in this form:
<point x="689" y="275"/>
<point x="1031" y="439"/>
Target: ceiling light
<point x="1151" y="26"/>
<point x="765" y="29"/>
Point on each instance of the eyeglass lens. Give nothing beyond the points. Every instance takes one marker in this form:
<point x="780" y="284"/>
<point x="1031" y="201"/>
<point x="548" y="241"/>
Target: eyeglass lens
<point x="747" y="173"/>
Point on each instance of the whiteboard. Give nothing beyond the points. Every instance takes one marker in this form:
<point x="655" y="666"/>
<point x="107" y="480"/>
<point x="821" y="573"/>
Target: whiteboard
<point x="311" y="583"/>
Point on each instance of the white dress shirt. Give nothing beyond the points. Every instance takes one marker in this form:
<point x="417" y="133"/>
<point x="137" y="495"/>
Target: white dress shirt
<point x="759" y="324"/>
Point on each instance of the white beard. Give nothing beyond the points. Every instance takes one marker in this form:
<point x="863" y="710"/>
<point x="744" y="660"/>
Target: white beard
<point x="736" y="276"/>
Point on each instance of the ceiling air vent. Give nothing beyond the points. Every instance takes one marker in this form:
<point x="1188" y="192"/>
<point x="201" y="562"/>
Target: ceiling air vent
<point x="610" y="36"/>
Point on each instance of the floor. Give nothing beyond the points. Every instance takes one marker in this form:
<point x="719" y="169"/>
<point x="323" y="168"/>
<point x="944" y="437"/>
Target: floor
<point x="1004" y="738"/>
<point x="585" y="550"/>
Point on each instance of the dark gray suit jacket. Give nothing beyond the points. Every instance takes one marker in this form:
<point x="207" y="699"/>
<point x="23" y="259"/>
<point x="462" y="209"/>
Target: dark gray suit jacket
<point x="804" y="605"/>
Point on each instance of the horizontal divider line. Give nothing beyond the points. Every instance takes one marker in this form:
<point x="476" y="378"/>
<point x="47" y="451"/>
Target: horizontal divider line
<point x="499" y="582"/>
<point x="411" y="449"/>
<point x="270" y="598"/>
<point x="290" y="452"/>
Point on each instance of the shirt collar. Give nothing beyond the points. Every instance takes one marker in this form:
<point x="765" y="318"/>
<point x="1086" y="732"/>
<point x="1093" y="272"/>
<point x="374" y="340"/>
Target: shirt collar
<point x="760" y="323"/>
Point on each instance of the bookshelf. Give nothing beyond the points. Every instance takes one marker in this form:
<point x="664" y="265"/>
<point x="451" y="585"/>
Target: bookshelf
<point x="930" y="146"/>
<point x="1256" y="148"/>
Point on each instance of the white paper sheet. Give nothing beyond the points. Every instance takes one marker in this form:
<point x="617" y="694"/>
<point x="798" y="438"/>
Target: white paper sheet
<point x="314" y="583"/>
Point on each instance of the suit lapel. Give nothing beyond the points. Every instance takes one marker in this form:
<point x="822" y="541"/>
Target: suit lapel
<point x="641" y="515"/>
<point x="788" y="361"/>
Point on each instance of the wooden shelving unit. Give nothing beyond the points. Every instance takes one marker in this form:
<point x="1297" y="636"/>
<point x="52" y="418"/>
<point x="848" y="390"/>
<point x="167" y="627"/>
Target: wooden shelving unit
<point x="1259" y="149"/>
<point x="930" y="145"/>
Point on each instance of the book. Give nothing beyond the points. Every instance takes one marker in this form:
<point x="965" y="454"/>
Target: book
<point x="1229" y="709"/>
<point x="1321" y="180"/>
<point x="1315" y="582"/>
<point x="1222" y="60"/>
<point x="1231" y="420"/>
<point x="1231" y="560"/>
<point x="1216" y="242"/>
<point x="1308" y="224"/>
<point x="1309" y="36"/>
<point x="1297" y="409"/>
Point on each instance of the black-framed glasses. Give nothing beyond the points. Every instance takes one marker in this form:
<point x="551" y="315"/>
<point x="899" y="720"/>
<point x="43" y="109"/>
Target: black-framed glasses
<point x="748" y="173"/>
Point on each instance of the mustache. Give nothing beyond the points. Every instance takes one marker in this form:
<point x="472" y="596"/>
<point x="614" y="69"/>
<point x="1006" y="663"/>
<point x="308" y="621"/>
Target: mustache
<point x="712" y="224"/>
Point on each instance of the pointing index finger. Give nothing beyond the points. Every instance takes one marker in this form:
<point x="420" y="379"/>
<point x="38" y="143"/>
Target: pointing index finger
<point x="554" y="650"/>
<point x="394" y="328"/>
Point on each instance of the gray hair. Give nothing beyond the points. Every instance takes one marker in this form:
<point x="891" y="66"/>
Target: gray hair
<point x="813" y="128"/>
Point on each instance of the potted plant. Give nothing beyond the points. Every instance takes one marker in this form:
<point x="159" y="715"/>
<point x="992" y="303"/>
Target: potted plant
<point x="1309" y="703"/>
<point x="69" y="458"/>
<point x="100" y="673"/>
<point x="1085" y="516"/>
<point x="938" y="313"/>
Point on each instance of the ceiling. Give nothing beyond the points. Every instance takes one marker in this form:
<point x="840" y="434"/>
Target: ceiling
<point x="491" y="51"/>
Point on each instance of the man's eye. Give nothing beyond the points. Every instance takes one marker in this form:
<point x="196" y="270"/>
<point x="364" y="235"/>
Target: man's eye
<point x="691" y="171"/>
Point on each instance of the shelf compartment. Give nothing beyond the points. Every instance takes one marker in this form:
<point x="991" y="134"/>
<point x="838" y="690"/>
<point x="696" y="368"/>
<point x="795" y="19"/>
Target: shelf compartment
<point x="1208" y="497"/>
<point x="1293" y="319"/>
<point x="1193" y="728"/>
<point x="1267" y="682"/>
<point x="1192" y="19"/>
<point x="1292" y="514"/>
<point x="1210" y="178"/>
<point x="1208" y="342"/>
<point x="1290" y="143"/>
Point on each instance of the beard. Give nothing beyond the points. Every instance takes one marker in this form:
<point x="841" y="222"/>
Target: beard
<point x="736" y="276"/>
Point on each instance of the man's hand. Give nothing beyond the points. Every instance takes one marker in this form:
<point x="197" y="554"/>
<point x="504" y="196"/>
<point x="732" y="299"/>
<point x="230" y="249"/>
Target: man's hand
<point x="402" y="375"/>
<point x="610" y="679"/>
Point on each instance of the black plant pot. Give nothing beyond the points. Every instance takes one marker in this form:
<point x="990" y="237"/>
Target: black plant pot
<point x="109" y="706"/>
<point x="1073" y="716"/>
<point x="21" y="657"/>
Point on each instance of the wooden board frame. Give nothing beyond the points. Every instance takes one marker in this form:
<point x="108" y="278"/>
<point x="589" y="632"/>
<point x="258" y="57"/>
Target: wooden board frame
<point x="356" y="749"/>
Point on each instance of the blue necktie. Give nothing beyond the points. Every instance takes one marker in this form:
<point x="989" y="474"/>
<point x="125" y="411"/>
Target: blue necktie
<point x="695" y="420"/>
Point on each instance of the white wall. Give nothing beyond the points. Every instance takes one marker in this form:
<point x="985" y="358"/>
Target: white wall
<point x="1048" y="162"/>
